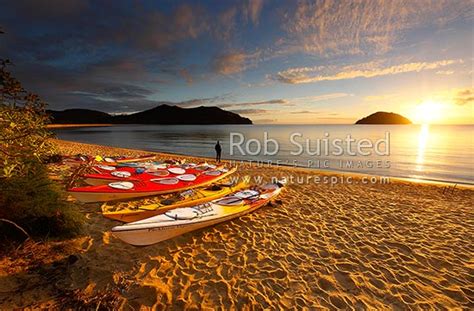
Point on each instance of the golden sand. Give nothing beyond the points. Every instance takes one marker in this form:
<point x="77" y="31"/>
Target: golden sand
<point x="57" y="126"/>
<point x="365" y="246"/>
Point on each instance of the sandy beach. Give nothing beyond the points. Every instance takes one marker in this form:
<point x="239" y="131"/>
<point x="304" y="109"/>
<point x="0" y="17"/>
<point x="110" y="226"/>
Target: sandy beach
<point x="364" y="246"/>
<point x="58" y="126"/>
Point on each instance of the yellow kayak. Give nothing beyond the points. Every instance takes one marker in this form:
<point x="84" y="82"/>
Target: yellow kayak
<point x="186" y="219"/>
<point x="124" y="212"/>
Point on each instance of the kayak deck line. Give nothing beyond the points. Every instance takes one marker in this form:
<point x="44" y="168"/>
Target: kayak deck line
<point x="104" y="193"/>
<point x="198" y="196"/>
<point x="182" y="220"/>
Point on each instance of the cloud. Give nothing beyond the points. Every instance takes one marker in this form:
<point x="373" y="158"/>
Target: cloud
<point x="260" y="103"/>
<point x="264" y="121"/>
<point x="110" y="86"/>
<point x="366" y="70"/>
<point x="250" y="111"/>
<point x="305" y="112"/>
<point x="280" y="102"/>
<point x="186" y="75"/>
<point x="229" y="63"/>
<point x="444" y="72"/>
<point x="158" y="31"/>
<point x="317" y="98"/>
<point x="81" y="28"/>
<point x="228" y="19"/>
<point x="252" y="10"/>
<point x="227" y="23"/>
<point x="464" y="97"/>
<point x="115" y="92"/>
<point x="214" y="100"/>
<point x="86" y="53"/>
<point x="234" y="62"/>
<point x="50" y="8"/>
<point x="330" y="27"/>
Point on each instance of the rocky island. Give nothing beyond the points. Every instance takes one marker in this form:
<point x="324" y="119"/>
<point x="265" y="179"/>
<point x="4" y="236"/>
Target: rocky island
<point x="382" y="117"/>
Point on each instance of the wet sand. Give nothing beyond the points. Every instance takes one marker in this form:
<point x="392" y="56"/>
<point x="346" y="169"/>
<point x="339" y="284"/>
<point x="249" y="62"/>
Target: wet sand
<point x="365" y="246"/>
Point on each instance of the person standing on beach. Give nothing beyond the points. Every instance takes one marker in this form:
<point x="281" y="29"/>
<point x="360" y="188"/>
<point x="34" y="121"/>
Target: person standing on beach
<point x="218" y="152"/>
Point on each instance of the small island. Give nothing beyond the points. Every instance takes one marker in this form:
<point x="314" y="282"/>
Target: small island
<point x="382" y="117"/>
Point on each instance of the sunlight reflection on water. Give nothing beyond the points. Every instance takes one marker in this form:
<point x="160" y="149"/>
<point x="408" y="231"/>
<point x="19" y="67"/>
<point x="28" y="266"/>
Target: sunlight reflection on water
<point x="437" y="152"/>
<point x="422" y="141"/>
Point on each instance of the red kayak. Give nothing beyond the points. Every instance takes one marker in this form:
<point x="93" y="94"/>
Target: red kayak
<point x="129" y="189"/>
<point x="107" y="174"/>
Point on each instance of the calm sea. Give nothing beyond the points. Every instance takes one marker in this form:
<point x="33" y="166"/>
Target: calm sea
<point x="433" y="152"/>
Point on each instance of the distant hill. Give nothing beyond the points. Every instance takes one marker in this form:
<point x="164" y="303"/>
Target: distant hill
<point x="382" y="117"/>
<point x="166" y="114"/>
<point x="79" y="116"/>
<point x="163" y="114"/>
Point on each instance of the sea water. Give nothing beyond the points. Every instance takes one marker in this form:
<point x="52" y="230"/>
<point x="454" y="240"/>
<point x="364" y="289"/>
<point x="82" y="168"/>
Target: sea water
<point x="432" y="152"/>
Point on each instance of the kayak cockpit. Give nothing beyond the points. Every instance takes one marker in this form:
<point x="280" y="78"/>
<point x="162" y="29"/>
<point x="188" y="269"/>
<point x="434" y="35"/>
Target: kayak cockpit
<point x="189" y="213"/>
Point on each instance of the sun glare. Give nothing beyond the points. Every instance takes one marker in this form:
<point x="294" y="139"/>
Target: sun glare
<point x="428" y="112"/>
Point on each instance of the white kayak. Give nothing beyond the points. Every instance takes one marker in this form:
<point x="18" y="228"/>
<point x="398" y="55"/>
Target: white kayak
<point x="181" y="220"/>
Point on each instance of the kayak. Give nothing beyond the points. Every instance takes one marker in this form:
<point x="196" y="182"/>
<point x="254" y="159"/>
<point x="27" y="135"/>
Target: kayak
<point x="185" y="219"/>
<point x="123" y="212"/>
<point x="149" y="157"/>
<point x="106" y="174"/>
<point x="111" y="161"/>
<point x="123" y="190"/>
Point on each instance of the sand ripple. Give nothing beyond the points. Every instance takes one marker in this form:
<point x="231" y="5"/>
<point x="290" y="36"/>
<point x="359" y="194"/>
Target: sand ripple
<point x="322" y="247"/>
<point x="342" y="246"/>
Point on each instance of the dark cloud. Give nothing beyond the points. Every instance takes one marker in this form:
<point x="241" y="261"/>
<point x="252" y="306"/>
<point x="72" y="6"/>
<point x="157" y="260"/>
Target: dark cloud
<point x="117" y="54"/>
<point x="98" y="23"/>
<point x="58" y="87"/>
<point x="158" y="31"/>
<point x="267" y="102"/>
<point x="49" y="8"/>
<point x="464" y="97"/>
<point x="78" y="41"/>
<point x="196" y="102"/>
<point x="100" y="53"/>
<point x="118" y="91"/>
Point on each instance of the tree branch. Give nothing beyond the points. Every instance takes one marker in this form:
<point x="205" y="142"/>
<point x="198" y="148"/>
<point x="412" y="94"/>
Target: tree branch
<point x="16" y="226"/>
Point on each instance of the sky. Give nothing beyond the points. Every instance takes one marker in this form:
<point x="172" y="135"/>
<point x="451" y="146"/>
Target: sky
<point x="283" y="62"/>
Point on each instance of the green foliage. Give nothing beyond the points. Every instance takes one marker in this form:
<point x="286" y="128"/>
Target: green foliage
<point x="27" y="196"/>
<point x="37" y="204"/>
<point x="23" y="132"/>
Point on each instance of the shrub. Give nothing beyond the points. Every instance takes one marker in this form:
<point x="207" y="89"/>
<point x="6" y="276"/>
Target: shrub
<point x="23" y="133"/>
<point x="36" y="203"/>
<point x="27" y="196"/>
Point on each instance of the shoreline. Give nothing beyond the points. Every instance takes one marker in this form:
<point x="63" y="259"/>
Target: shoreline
<point x="326" y="172"/>
<point x="58" y="126"/>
